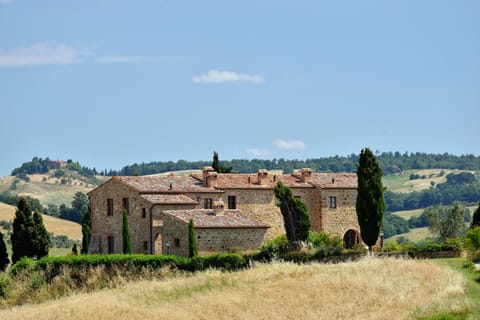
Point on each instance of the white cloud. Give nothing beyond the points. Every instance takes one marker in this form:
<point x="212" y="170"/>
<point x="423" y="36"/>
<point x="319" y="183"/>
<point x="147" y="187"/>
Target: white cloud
<point x="259" y="152"/>
<point x="218" y="76"/>
<point x="290" y="144"/>
<point x="41" y="54"/>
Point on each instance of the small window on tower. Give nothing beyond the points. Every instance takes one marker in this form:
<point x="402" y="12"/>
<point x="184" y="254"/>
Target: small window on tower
<point x="332" y="202"/>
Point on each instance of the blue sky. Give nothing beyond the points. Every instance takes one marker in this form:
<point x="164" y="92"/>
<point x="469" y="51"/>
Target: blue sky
<point x="111" y="83"/>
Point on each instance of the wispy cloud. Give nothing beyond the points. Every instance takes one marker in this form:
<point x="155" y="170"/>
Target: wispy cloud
<point x="121" y="59"/>
<point x="259" y="152"/>
<point x="289" y="144"/>
<point x="218" y="76"/>
<point x="41" y="54"/>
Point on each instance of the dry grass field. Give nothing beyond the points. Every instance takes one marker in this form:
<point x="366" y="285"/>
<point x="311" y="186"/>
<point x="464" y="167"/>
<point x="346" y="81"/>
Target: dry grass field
<point x="55" y="225"/>
<point x="368" y="289"/>
<point x="48" y="189"/>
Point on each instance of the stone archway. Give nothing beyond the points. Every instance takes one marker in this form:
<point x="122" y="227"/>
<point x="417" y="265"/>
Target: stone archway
<point x="350" y="238"/>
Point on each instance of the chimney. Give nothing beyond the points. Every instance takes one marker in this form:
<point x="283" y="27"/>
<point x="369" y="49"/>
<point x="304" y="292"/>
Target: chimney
<point x="306" y="175"/>
<point x="206" y="171"/>
<point x="262" y="175"/>
<point x="211" y="179"/>
<point x="218" y="207"/>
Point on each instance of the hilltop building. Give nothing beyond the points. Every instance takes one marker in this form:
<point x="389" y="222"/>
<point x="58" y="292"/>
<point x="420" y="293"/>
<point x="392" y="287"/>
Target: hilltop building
<point x="230" y="211"/>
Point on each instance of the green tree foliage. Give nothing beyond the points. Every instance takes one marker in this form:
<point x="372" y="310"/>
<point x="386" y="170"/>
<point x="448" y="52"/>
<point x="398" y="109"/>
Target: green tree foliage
<point x="295" y="215"/>
<point x="393" y="224"/>
<point x="127" y="247"/>
<point x="4" y="261"/>
<point x="472" y="239"/>
<point x="40" y="236"/>
<point x="370" y="204"/>
<point x="476" y="218"/>
<point x="216" y="165"/>
<point x="23" y="228"/>
<point x="447" y="222"/>
<point x="462" y="187"/>
<point x="192" y="242"/>
<point x="390" y="162"/>
<point x="86" y="230"/>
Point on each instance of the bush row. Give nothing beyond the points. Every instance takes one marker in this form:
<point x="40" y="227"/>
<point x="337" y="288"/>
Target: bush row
<point x="453" y="245"/>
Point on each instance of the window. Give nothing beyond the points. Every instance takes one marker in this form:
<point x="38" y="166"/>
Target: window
<point x="332" y="202"/>
<point x="144" y="213"/>
<point x="208" y="203"/>
<point x="176" y="242"/>
<point x="125" y="205"/>
<point x="111" y="247"/>
<point x="232" y="202"/>
<point x="145" y="245"/>
<point x="109" y="207"/>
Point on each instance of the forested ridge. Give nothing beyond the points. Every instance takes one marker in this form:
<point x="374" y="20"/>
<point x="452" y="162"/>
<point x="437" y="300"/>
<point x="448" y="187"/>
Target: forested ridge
<point x="390" y="162"/>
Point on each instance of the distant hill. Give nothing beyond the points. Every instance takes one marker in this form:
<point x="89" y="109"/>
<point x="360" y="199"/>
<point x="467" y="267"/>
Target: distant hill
<point x="55" y="225"/>
<point x="49" y="188"/>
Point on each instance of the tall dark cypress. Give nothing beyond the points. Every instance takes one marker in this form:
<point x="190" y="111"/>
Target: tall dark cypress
<point x="23" y="228"/>
<point x="476" y="218"/>
<point x="192" y="242"/>
<point x="4" y="261"/>
<point x="370" y="204"/>
<point x="86" y="230"/>
<point x="40" y="236"/>
<point x="127" y="247"/>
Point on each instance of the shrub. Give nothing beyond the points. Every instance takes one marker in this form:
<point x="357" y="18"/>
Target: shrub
<point x="391" y="246"/>
<point x="274" y="248"/>
<point x="472" y="239"/>
<point x="452" y="245"/>
<point x="5" y="287"/>
<point x="22" y="265"/>
<point x="298" y="257"/>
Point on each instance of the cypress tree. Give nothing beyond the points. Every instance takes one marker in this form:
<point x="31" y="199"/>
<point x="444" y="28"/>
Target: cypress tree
<point x="4" y="261"/>
<point x="86" y="230"/>
<point x="23" y="228"/>
<point x="295" y="215"/>
<point x="476" y="218"/>
<point x="216" y="163"/>
<point x="192" y="242"/>
<point x="40" y="236"/>
<point x="370" y="204"/>
<point x="127" y="247"/>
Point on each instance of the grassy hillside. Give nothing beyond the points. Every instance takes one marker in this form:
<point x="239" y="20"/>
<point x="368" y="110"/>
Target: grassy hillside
<point x="55" y="225"/>
<point x="368" y="289"/>
<point x="50" y="189"/>
<point x="401" y="183"/>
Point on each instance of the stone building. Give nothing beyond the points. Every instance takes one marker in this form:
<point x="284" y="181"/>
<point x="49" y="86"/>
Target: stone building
<point x="229" y="210"/>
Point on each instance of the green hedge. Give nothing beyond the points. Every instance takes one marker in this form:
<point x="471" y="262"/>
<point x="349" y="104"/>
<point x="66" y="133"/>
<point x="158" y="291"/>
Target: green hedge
<point x="53" y="265"/>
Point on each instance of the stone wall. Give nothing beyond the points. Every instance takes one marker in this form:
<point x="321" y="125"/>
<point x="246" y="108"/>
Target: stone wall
<point x="174" y="233"/>
<point x="228" y="240"/>
<point x="342" y="218"/>
<point x="104" y="226"/>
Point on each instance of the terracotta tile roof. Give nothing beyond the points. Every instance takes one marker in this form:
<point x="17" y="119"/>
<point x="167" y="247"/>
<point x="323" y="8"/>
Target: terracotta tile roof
<point x="335" y="180"/>
<point x="203" y="218"/>
<point x="168" y="199"/>
<point x="169" y="183"/>
<point x="250" y="181"/>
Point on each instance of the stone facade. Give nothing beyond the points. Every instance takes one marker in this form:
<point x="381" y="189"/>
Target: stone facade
<point x="330" y="199"/>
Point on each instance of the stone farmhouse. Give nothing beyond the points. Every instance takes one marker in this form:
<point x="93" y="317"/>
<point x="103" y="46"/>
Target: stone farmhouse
<point x="229" y="211"/>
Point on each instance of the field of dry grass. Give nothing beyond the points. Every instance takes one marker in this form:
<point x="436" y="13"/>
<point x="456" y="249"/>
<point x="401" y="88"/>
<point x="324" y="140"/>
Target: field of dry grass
<point x="368" y="289"/>
<point x="58" y="226"/>
<point x="48" y="189"/>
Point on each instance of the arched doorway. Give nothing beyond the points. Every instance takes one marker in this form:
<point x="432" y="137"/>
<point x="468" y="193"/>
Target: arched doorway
<point x="350" y="238"/>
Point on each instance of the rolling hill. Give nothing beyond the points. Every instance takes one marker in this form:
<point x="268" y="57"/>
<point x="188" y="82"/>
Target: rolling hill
<point x="57" y="226"/>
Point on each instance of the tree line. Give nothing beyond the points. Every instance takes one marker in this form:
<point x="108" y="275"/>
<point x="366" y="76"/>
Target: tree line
<point x="390" y="162"/>
<point x="462" y="187"/>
